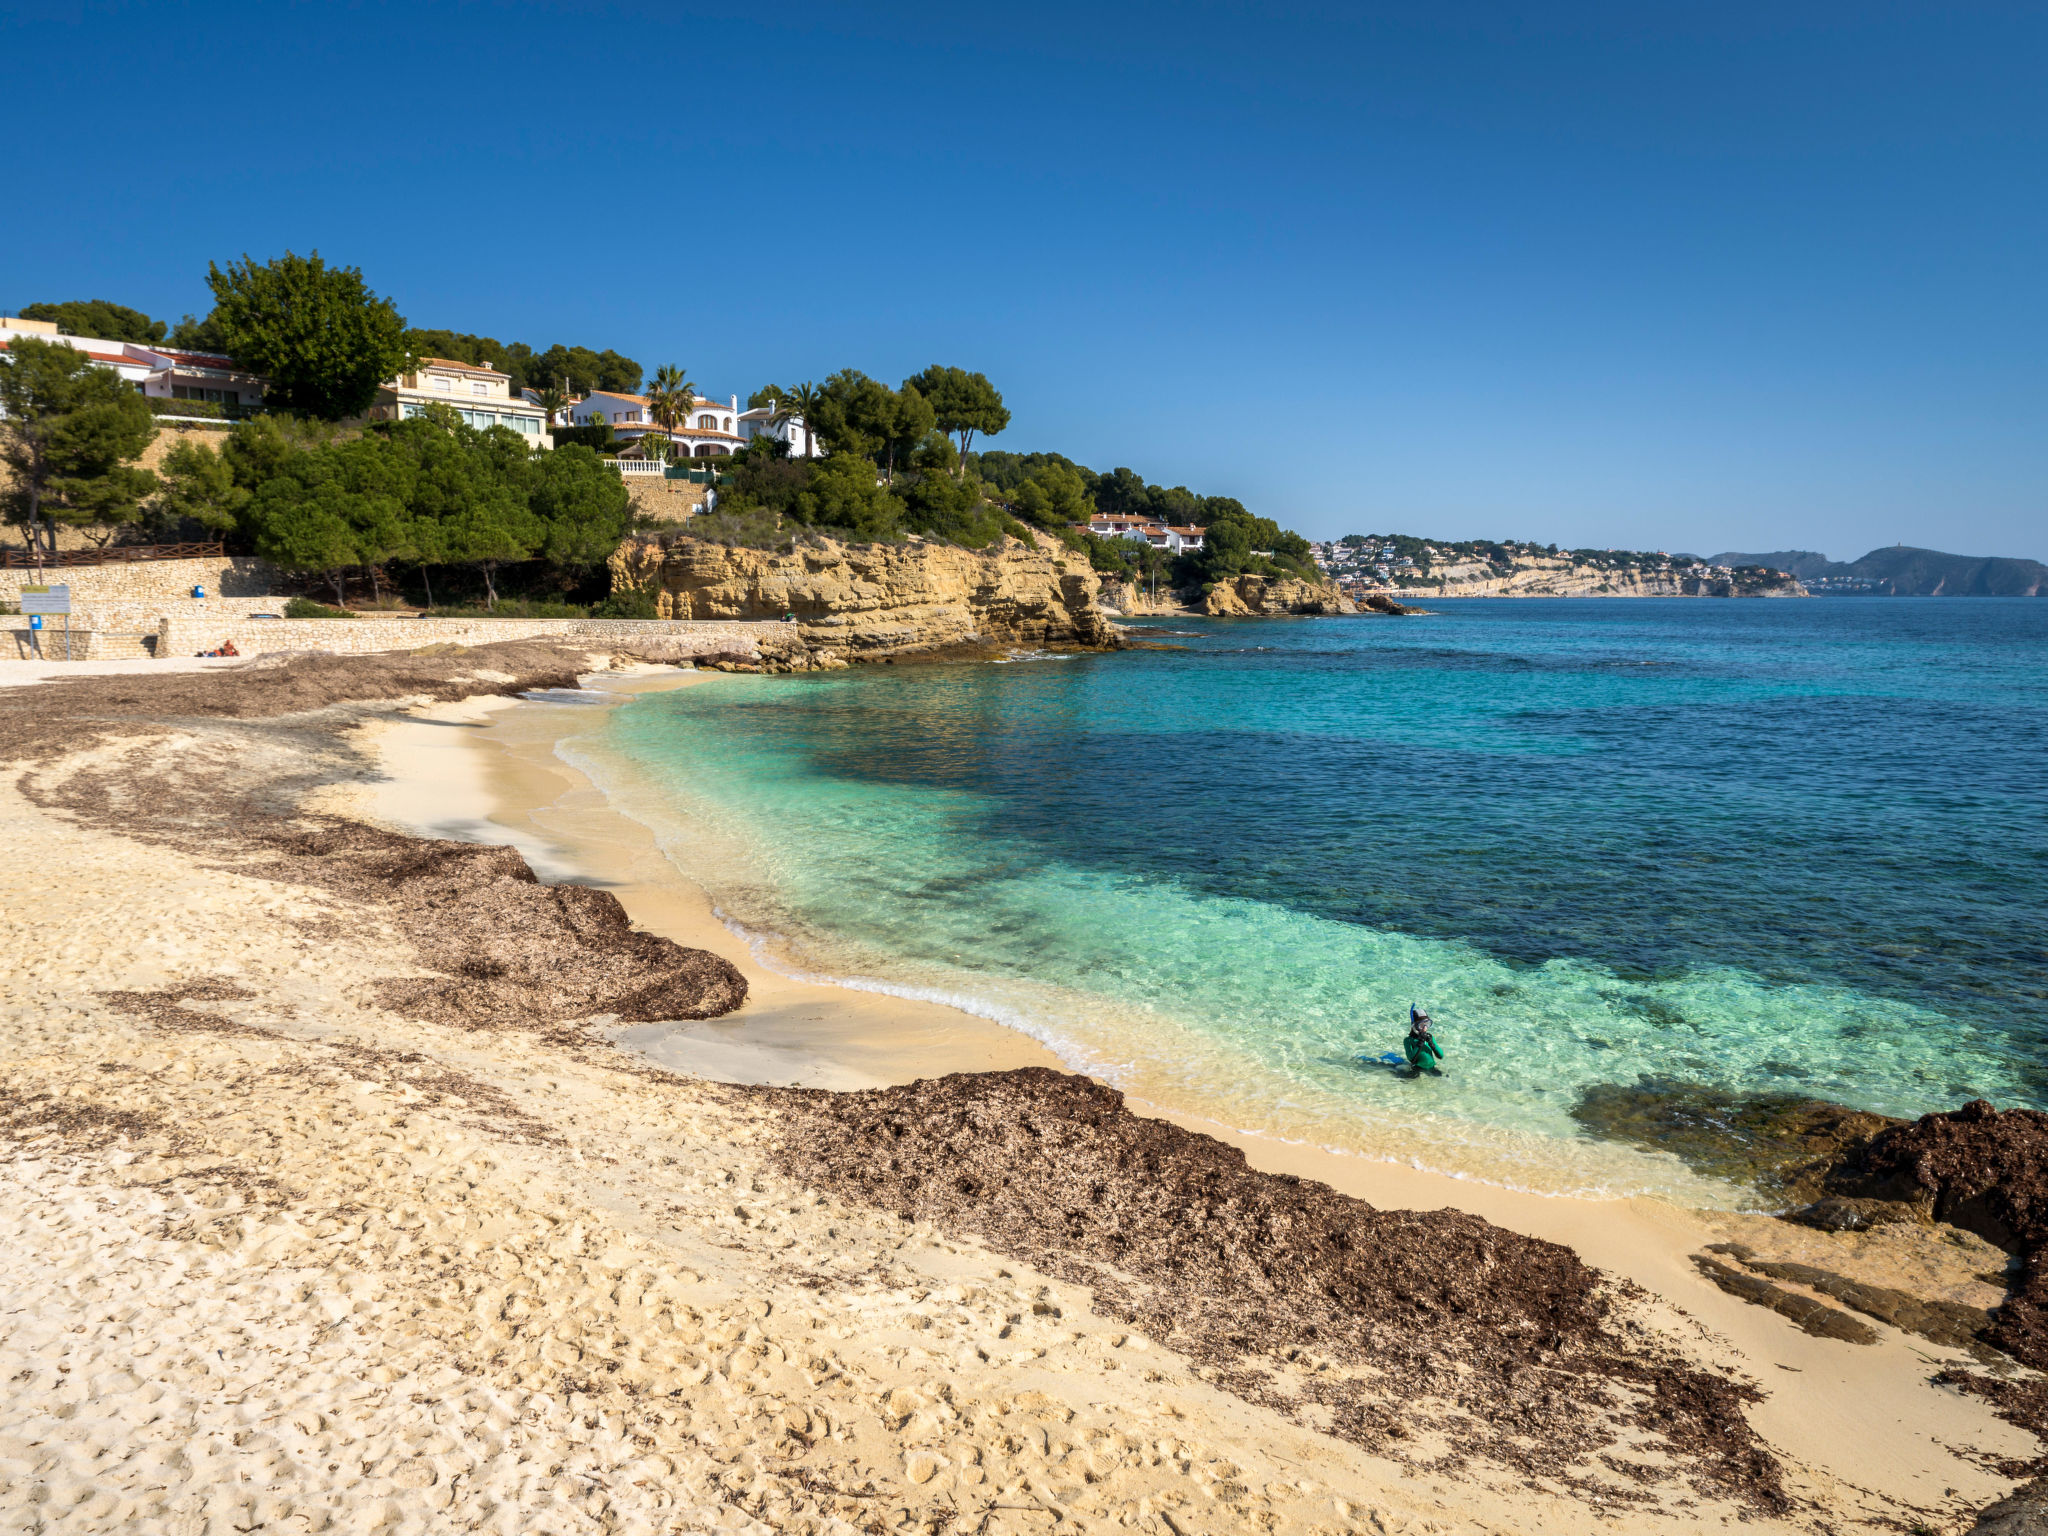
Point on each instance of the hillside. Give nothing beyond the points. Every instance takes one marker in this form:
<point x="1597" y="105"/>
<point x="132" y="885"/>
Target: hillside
<point x="1483" y="568"/>
<point x="1899" y="570"/>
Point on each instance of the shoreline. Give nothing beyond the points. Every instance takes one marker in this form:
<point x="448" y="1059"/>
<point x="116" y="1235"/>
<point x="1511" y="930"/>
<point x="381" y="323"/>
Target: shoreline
<point x="500" y="763"/>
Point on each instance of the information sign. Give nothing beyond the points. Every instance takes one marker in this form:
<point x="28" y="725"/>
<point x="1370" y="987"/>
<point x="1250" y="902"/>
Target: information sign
<point x="46" y="599"/>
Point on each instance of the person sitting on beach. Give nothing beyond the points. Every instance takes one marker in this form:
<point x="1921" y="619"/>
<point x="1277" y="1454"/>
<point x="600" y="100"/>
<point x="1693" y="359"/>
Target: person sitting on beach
<point x="1421" y="1049"/>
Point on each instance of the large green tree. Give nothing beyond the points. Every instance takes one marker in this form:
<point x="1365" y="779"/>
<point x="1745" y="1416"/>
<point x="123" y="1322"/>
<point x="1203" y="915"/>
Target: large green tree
<point x="580" y="504"/>
<point x="196" y="335"/>
<point x="584" y="370"/>
<point x="70" y="431"/>
<point x="102" y="318"/>
<point x="467" y="495"/>
<point x="841" y="492"/>
<point x="857" y="414"/>
<point x="197" y="484"/>
<point x="963" y="403"/>
<point x="318" y="333"/>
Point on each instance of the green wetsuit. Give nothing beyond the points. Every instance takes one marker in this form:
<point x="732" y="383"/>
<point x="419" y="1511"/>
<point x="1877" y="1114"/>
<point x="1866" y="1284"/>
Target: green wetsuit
<point x="1422" y="1051"/>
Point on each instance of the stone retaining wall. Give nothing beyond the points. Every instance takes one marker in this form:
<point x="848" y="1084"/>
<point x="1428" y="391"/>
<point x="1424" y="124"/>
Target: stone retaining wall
<point x="131" y="631"/>
<point x="147" y="581"/>
<point x="662" y="500"/>
<point x="188" y="633"/>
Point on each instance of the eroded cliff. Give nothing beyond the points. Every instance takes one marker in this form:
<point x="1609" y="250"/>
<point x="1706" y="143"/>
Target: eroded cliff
<point x="859" y="601"/>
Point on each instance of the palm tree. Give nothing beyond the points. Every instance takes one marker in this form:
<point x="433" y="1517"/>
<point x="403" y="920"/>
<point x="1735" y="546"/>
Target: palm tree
<point x="802" y="403"/>
<point x="553" y="401"/>
<point x="669" y="398"/>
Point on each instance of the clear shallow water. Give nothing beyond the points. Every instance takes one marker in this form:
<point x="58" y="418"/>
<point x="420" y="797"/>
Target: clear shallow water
<point x="1762" y="845"/>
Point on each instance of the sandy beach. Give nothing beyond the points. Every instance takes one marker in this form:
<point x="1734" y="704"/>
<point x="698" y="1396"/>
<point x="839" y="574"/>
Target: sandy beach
<point x="319" y="1220"/>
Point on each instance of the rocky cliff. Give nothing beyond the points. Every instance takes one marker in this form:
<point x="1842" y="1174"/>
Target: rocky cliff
<point x="1564" y="578"/>
<point x="1240" y="597"/>
<point x="1262" y="596"/>
<point x="875" y="601"/>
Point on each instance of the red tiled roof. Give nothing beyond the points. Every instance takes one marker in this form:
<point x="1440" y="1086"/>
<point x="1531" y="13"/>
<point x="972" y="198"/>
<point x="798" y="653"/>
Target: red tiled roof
<point x="200" y="359"/>
<point x="449" y="362"/>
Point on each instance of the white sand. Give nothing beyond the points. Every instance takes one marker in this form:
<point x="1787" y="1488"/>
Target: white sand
<point x="311" y="1266"/>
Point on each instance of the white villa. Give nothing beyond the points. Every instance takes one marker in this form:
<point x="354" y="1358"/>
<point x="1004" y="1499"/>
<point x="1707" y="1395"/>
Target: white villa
<point x="481" y="396"/>
<point x="761" y="422"/>
<point x="165" y="373"/>
<point x="707" y="429"/>
<point x="1164" y="536"/>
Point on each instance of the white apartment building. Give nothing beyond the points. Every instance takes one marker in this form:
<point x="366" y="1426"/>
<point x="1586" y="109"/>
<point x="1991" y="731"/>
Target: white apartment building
<point x="162" y="373"/>
<point x="481" y="396"/>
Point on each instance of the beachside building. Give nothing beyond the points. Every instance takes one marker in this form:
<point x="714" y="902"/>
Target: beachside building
<point x="481" y="396"/>
<point x="163" y="373"/>
<point x="706" y="430"/>
<point x="1174" y="540"/>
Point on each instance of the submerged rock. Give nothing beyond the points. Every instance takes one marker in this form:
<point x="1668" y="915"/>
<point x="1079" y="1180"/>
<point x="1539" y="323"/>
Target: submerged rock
<point x="1785" y="1145"/>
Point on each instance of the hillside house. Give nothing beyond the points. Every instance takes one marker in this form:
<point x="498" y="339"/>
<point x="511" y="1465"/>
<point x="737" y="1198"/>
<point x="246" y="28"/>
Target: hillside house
<point x="762" y="421"/>
<point x="706" y="430"/>
<point x="481" y="396"/>
<point x="1174" y="540"/>
<point x="163" y="373"/>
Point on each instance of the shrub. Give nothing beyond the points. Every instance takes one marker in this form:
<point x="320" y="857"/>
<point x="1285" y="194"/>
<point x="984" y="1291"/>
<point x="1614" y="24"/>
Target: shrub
<point x="306" y="608"/>
<point x="633" y="603"/>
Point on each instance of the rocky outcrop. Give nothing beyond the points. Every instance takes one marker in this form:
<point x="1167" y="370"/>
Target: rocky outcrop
<point x="1986" y="1172"/>
<point x="1245" y="597"/>
<point x="875" y="601"/>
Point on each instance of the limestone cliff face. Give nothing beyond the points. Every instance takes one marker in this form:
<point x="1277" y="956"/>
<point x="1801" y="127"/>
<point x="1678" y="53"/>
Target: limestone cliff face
<point x="877" y="600"/>
<point x="1262" y="596"/>
<point x="1563" y="578"/>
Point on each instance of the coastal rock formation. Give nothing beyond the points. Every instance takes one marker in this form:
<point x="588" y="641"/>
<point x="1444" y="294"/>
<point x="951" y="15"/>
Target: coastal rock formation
<point x="1557" y="576"/>
<point x="1985" y="1171"/>
<point x="1270" y="596"/>
<point x="1788" y="1146"/>
<point x="857" y="601"/>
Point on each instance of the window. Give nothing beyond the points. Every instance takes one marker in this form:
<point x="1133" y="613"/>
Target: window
<point x="443" y="383"/>
<point x="479" y="387"/>
<point x="632" y="415"/>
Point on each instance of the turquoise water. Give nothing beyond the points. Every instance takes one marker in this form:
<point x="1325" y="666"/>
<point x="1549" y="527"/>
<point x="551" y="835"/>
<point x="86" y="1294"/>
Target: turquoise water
<point x="1760" y="845"/>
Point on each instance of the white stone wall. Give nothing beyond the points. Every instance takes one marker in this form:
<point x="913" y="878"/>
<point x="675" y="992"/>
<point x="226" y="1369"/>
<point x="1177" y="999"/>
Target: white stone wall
<point x="146" y="581"/>
<point x="189" y="632"/>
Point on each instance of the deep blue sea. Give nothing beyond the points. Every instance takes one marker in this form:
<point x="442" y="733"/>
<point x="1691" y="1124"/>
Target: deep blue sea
<point x="1755" y="845"/>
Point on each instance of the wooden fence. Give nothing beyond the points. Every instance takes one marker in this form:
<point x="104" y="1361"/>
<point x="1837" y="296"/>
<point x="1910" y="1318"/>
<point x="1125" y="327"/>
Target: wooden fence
<point x="21" y="560"/>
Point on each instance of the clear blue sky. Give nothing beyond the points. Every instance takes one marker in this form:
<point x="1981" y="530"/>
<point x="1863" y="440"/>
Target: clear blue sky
<point x="1684" y="276"/>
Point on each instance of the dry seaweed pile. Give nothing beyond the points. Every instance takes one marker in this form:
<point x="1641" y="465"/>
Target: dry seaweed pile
<point x="1405" y="1321"/>
<point x="507" y="951"/>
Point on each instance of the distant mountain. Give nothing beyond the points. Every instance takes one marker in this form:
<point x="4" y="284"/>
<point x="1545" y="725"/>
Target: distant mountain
<point x="1793" y="562"/>
<point x="1901" y="571"/>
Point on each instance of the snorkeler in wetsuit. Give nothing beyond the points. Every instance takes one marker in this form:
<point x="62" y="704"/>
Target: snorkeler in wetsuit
<point x="1420" y="1047"/>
